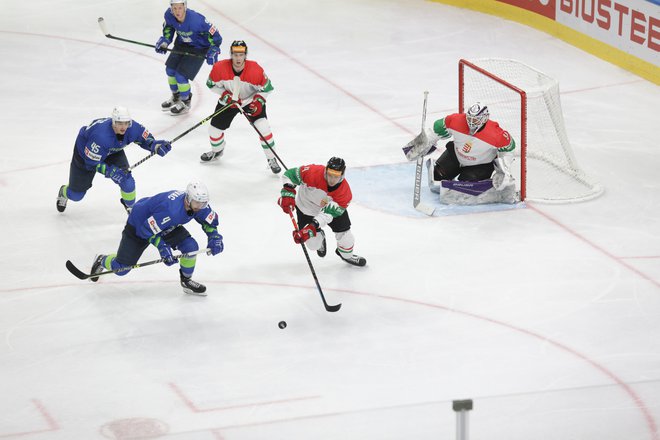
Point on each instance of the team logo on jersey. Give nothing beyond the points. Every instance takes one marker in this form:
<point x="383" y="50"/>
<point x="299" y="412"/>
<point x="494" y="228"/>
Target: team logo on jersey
<point x="153" y="225"/>
<point x="91" y="155"/>
<point x="467" y="147"/>
<point x="145" y="134"/>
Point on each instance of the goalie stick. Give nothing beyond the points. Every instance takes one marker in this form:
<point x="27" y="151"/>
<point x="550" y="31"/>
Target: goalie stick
<point x="327" y="306"/>
<point x="83" y="276"/>
<point x="104" y="29"/>
<point x="234" y="97"/>
<point x="417" y="204"/>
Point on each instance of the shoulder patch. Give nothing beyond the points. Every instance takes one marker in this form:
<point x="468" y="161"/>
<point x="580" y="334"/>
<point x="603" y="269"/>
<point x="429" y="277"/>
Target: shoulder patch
<point x="153" y="225"/>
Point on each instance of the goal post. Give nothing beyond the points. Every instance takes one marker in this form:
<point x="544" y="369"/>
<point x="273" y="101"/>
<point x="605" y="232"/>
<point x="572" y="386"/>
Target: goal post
<point x="526" y="103"/>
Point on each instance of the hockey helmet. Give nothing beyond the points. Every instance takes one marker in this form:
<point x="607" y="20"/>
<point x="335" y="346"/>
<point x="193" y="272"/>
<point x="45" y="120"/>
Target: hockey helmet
<point x="120" y="114"/>
<point x="238" y="46"/>
<point x="197" y="192"/>
<point x="336" y="167"/>
<point x="476" y="116"/>
<point x="185" y="2"/>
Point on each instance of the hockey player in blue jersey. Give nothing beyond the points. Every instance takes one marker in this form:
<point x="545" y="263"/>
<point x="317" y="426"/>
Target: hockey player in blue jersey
<point x="196" y="36"/>
<point x="159" y="221"/>
<point x="99" y="147"/>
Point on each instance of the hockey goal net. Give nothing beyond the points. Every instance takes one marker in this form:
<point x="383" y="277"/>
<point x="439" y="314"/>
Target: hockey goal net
<point x="525" y="102"/>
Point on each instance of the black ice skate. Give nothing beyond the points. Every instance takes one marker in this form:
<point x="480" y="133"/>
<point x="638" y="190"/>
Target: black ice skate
<point x="97" y="266"/>
<point x="355" y="260"/>
<point x="61" y="199"/>
<point x="323" y="249"/>
<point x="180" y="107"/>
<point x="167" y="105"/>
<point x="274" y="166"/>
<point x="192" y="287"/>
<point x="211" y="156"/>
<point x="126" y="207"/>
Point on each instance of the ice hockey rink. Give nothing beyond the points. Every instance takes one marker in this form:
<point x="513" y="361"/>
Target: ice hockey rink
<point x="547" y="317"/>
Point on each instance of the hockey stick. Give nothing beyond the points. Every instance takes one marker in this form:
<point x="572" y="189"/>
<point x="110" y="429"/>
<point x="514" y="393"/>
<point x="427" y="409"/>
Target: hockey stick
<point x="327" y="306"/>
<point x="417" y="204"/>
<point x="144" y="159"/>
<point x="83" y="276"/>
<point x="104" y="29"/>
<point x="261" y="136"/>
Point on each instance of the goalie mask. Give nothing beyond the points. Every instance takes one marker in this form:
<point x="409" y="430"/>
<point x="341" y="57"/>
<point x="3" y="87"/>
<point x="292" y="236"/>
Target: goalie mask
<point x="197" y="196"/>
<point x="477" y="116"/>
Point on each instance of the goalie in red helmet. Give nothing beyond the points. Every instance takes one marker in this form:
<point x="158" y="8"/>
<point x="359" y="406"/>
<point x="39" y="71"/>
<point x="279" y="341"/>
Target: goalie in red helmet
<point x="320" y="196"/>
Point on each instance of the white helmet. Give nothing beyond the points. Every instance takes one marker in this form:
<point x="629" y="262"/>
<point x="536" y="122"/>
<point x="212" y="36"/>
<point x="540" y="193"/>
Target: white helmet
<point x="198" y="192"/>
<point x="185" y="2"/>
<point x="477" y="116"/>
<point x="120" y="114"/>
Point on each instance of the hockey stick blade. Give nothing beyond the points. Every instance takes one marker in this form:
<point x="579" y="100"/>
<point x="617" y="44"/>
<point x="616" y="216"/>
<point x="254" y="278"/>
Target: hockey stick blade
<point x="75" y="271"/>
<point x="332" y="309"/>
<point x="425" y="209"/>
<point x="104" y="29"/>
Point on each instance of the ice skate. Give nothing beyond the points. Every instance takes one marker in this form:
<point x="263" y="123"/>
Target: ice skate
<point x="211" y="156"/>
<point x="274" y="166"/>
<point x="97" y="266"/>
<point x="167" y="105"/>
<point x="126" y="207"/>
<point x="192" y="287"/>
<point x="180" y="107"/>
<point x="61" y="199"/>
<point x="355" y="260"/>
<point x="323" y="249"/>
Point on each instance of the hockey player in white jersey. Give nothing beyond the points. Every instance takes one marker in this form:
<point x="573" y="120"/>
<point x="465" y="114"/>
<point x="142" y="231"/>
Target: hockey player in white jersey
<point x="321" y="199"/>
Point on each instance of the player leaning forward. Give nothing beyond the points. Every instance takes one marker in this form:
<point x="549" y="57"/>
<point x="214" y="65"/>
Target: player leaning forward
<point x="159" y="220"/>
<point x="254" y="89"/>
<point x="321" y="199"/>
<point x="99" y="148"/>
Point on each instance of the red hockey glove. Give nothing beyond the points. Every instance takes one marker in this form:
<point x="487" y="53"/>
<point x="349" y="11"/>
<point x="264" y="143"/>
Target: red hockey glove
<point x="255" y="108"/>
<point x="287" y="200"/>
<point x="225" y="98"/>
<point x="305" y="233"/>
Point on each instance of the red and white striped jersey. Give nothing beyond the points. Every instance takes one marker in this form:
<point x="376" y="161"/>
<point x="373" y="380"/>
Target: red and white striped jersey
<point x="253" y="80"/>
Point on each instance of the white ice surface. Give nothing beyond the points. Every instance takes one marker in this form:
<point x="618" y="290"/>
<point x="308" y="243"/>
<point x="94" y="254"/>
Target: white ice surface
<point x="548" y="316"/>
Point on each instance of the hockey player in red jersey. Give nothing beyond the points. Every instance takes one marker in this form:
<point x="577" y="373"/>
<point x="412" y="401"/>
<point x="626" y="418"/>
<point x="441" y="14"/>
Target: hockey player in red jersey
<point x="321" y="199"/>
<point x="478" y="147"/>
<point x="254" y="89"/>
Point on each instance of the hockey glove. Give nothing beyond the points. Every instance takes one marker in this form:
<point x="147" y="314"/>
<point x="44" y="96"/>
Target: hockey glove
<point x="225" y="98"/>
<point x="287" y="200"/>
<point x="164" y="250"/>
<point x="161" y="45"/>
<point x="212" y="55"/>
<point x="306" y="233"/>
<point x="255" y="108"/>
<point x="112" y="172"/>
<point x="161" y="148"/>
<point x="215" y="243"/>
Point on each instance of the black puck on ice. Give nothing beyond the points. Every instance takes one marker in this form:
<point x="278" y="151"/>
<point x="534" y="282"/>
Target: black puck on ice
<point x="282" y="324"/>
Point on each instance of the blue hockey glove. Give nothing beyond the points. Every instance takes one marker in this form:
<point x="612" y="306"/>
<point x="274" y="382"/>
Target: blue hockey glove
<point x="215" y="244"/>
<point x="161" y="148"/>
<point x="116" y="174"/>
<point x="161" y="45"/>
<point x="212" y="55"/>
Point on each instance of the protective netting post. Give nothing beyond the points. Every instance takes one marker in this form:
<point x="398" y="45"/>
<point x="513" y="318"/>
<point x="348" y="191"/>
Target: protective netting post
<point x="462" y="426"/>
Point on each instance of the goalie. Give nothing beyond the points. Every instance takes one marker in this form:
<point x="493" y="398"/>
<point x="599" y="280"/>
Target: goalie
<point x="474" y="168"/>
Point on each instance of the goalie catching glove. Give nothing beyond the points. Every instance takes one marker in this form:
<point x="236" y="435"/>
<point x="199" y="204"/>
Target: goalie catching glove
<point x="287" y="200"/>
<point x="306" y="233"/>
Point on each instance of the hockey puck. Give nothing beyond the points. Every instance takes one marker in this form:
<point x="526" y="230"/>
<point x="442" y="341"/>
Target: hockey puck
<point x="282" y="324"/>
